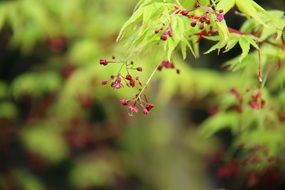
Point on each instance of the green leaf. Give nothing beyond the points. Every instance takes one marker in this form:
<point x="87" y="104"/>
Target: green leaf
<point x="183" y="47"/>
<point x="270" y="139"/>
<point x="3" y="90"/>
<point x="187" y="4"/>
<point x="233" y="40"/>
<point x="248" y="26"/>
<point x="220" y="121"/>
<point x="204" y="2"/>
<point x="28" y="180"/>
<point x="90" y="171"/>
<point x="245" y="46"/>
<point x="46" y="140"/>
<point x="2" y="16"/>
<point x="246" y="7"/>
<point x="137" y="14"/>
<point x="225" y="5"/>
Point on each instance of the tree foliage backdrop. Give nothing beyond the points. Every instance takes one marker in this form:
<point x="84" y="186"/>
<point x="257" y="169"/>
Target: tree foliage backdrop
<point x="217" y="120"/>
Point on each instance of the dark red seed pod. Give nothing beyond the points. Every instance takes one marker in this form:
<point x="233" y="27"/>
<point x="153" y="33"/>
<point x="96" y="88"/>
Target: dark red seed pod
<point x="129" y="77"/>
<point x="263" y="102"/>
<point x="149" y="106"/>
<point x="103" y="62"/>
<point x="139" y="69"/>
<point x="132" y="83"/>
<point x="159" y="68"/>
<point x="170" y="33"/>
<point x="193" y="23"/>
<point x="163" y="37"/>
<point x="104" y="82"/>
<point x="197" y="5"/>
<point x="185" y="12"/>
<point x="178" y="71"/>
<point x="124" y="102"/>
<point x="202" y="19"/>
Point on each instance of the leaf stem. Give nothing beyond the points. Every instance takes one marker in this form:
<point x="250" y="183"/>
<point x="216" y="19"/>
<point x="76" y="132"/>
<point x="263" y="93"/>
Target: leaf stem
<point x="147" y="82"/>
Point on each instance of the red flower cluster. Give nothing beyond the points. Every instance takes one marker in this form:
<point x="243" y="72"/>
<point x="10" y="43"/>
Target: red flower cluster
<point x="238" y="107"/>
<point x="167" y="65"/>
<point x="165" y="33"/>
<point x="257" y="102"/>
<point x="230" y="169"/>
<point x="133" y="108"/>
<point x="121" y="80"/>
<point x="203" y="20"/>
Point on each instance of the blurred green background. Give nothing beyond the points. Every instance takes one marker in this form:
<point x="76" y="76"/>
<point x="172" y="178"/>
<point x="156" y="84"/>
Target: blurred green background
<point x="61" y="129"/>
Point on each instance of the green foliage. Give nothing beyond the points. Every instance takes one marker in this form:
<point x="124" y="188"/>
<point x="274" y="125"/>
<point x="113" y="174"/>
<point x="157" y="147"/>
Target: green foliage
<point x="3" y="90"/>
<point x="263" y="30"/>
<point x="92" y="171"/>
<point x="45" y="140"/>
<point x="145" y="147"/>
<point x="36" y="84"/>
<point x="8" y="110"/>
<point x="28" y="180"/>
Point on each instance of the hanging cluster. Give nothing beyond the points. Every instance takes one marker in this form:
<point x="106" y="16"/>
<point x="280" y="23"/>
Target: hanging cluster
<point x="127" y="79"/>
<point x="256" y="102"/>
<point x="203" y="18"/>
<point x="134" y="104"/>
<point x="164" y="32"/>
<point x="165" y="64"/>
<point x="120" y="80"/>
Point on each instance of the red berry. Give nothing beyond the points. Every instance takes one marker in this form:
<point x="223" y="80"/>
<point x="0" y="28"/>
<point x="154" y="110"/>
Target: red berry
<point x="193" y="24"/>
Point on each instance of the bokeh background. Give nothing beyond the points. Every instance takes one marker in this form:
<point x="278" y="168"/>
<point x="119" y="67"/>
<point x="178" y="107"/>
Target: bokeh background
<point x="61" y="129"/>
